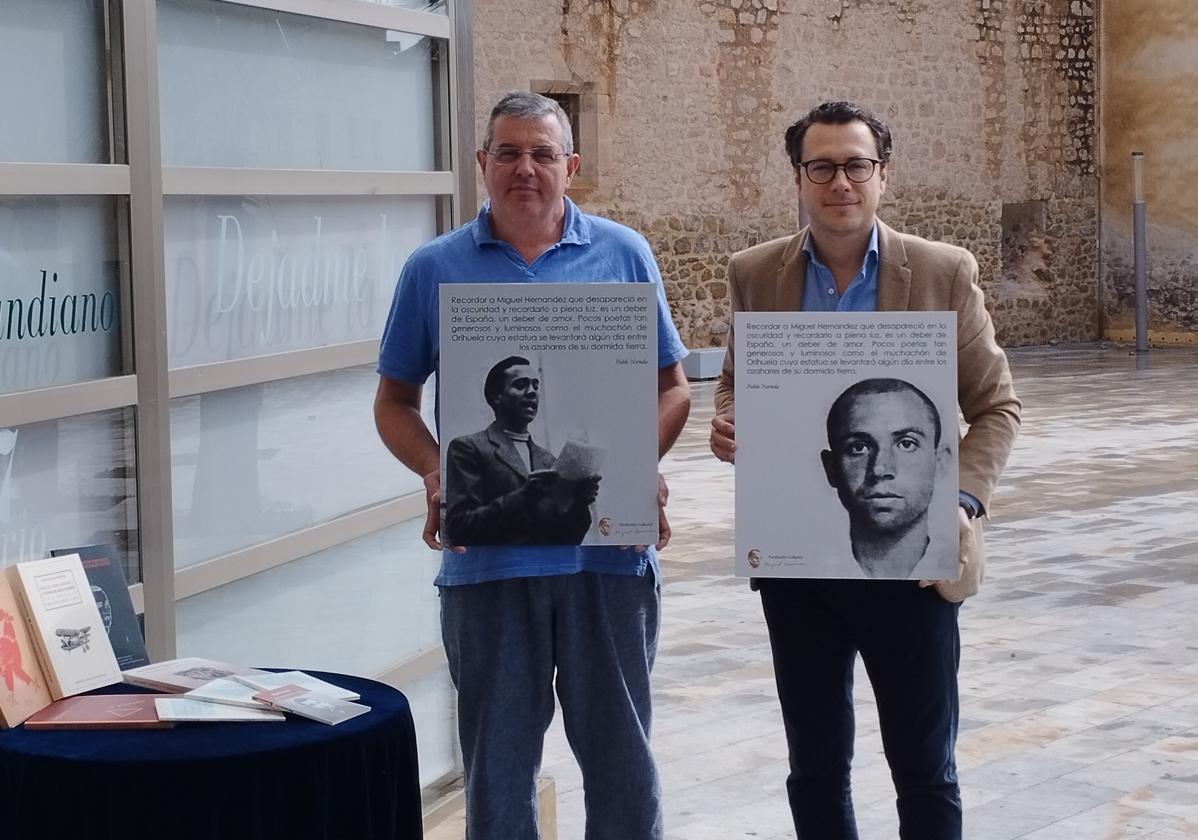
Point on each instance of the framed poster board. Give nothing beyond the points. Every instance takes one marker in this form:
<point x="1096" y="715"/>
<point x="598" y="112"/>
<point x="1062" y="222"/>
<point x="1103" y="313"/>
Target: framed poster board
<point x="548" y="413"/>
<point x="847" y="433"/>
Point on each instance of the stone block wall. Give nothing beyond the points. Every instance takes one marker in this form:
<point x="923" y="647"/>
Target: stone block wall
<point x="1149" y="99"/>
<point x="991" y="103"/>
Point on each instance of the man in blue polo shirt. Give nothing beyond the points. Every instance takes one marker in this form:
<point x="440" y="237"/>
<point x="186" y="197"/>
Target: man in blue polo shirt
<point x="517" y="620"/>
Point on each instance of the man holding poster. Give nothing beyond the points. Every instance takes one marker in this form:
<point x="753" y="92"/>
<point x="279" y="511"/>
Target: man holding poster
<point x="847" y="260"/>
<point x="518" y="621"/>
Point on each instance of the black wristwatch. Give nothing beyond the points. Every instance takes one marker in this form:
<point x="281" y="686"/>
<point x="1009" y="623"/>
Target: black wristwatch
<point x="971" y="512"/>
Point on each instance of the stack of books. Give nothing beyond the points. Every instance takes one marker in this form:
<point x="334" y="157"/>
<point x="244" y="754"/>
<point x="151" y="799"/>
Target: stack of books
<point x="267" y="692"/>
<point x="53" y="643"/>
<point x="67" y="626"/>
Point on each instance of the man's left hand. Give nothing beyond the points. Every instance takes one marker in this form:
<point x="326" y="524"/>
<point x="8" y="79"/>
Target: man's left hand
<point x="955" y="591"/>
<point x="663" y="525"/>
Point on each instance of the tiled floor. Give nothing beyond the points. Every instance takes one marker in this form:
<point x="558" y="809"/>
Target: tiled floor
<point x="1079" y="675"/>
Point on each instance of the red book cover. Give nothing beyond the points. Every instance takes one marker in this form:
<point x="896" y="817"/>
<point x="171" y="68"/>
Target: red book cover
<point x="100" y="711"/>
<point x="23" y="688"/>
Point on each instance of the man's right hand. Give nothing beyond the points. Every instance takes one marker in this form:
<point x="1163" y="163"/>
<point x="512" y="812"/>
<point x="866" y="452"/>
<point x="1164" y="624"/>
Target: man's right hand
<point x="546" y="494"/>
<point x="553" y="495"/>
<point x="663" y="524"/>
<point x="539" y="484"/>
<point x="723" y="438"/>
<point x="586" y="490"/>
<point x="432" y="520"/>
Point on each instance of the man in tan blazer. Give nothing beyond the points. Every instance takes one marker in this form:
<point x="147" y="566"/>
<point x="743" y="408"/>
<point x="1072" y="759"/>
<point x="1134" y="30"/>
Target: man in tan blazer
<point x="906" y="632"/>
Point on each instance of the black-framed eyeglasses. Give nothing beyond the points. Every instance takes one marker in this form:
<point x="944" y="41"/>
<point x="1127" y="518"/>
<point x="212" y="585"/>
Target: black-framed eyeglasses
<point x="858" y="170"/>
<point x="541" y="155"/>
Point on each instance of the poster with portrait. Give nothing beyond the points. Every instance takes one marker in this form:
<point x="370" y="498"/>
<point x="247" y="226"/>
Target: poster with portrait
<point x="548" y="413"/>
<point x="847" y="434"/>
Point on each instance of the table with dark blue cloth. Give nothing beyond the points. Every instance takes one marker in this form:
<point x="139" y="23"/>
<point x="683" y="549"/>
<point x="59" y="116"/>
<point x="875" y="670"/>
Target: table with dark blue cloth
<point x="298" y="779"/>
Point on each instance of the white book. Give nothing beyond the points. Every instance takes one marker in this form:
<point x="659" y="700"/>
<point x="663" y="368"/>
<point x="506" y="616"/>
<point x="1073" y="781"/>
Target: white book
<point x="268" y="681"/>
<point x="65" y="625"/>
<point x="317" y="707"/>
<point x="227" y="691"/>
<point x="183" y="709"/>
<point x="176" y="676"/>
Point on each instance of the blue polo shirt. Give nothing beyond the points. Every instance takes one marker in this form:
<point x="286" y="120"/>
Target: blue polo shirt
<point x="591" y="250"/>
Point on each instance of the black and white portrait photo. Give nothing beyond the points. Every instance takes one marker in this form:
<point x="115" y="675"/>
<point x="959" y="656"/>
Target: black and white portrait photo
<point x="846" y="459"/>
<point x="547" y="414"/>
<point x="503" y="487"/>
<point x="886" y="453"/>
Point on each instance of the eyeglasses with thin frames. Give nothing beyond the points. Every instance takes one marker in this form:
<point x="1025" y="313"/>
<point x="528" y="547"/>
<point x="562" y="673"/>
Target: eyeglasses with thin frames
<point x="541" y="155"/>
<point x="858" y="170"/>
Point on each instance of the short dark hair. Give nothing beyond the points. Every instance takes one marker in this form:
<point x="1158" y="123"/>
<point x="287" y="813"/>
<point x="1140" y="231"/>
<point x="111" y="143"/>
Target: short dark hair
<point x="866" y="387"/>
<point x="837" y="112"/>
<point x="494" y="383"/>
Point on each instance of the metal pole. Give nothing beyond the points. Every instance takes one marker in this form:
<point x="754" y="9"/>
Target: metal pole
<point x="1140" y="248"/>
<point x="153" y="428"/>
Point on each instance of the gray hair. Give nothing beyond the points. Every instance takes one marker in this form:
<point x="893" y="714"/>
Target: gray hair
<point x="525" y="105"/>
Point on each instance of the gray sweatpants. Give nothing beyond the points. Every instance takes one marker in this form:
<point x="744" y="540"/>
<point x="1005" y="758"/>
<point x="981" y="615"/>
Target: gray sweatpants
<point x="505" y="641"/>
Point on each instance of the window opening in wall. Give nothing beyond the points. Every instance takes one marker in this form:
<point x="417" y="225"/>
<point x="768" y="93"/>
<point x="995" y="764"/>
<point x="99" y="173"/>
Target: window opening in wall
<point x="1026" y="250"/>
<point x="586" y="110"/>
<point x="572" y="104"/>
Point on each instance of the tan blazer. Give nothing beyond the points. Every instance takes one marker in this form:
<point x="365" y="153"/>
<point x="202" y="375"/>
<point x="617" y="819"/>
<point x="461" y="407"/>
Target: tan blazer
<point x="913" y="275"/>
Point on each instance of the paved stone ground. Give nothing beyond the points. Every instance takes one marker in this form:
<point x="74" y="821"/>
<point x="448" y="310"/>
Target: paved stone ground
<point x="1079" y="675"/>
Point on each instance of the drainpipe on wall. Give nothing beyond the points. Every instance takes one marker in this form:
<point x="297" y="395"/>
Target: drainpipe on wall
<point x="1140" y="250"/>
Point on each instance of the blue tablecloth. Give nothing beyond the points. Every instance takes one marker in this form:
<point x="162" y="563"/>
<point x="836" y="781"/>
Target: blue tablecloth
<point x="298" y="780"/>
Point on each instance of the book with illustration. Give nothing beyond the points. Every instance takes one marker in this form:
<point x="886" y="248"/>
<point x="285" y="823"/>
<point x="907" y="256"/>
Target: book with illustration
<point x="176" y="676"/>
<point x="65" y="625"/>
<point x="310" y="704"/>
<point x="23" y="688"/>
<point x="106" y="577"/>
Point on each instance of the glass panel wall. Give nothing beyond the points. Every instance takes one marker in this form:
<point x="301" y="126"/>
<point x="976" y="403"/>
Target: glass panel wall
<point x="69" y="479"/>
<point x="432" y="700"/>
<point x="53" y="82"/>
<point x="347" y="608"/>
<point x="66" y="483"/>
<point x="60" y="313"/>
<point x="258" y="462"/>
<point x="270" y="304"/>
<point x="251" y="278"/>
<point x="436" y="7"/>
<point x="251" y="275"/>
<point x="248" y="87"/>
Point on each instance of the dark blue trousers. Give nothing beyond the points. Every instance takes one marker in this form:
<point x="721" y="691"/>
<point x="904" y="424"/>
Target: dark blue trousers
<point x="911" y="647"/>
<point x="591" y="636"/>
